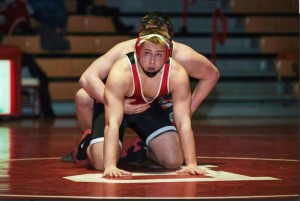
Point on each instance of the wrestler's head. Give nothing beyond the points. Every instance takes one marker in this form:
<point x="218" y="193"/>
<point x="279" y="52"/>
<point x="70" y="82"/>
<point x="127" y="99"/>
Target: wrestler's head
<point x="153" y="50"/>
<point x="159" y="20"/>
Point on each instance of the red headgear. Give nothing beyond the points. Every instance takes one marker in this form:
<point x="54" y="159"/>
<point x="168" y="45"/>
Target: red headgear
<point x="142" y="39"/>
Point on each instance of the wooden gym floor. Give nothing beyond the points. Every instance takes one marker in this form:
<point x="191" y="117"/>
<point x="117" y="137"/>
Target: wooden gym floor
<point x="246" y="159"/>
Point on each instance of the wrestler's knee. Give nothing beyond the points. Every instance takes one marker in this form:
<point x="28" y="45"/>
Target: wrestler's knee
<point x="172" y="162"/>
<point x="97" y="164"/>
<point x="82" y="97"/>
<point x="95" y="156"/>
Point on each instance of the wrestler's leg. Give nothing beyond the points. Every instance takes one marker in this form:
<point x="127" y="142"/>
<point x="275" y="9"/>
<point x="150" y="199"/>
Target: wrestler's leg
<point x="137" y="144"/>
<point x="84" y="109"/>
<point x="95" y="151"/>
<point x="95" y="155"/>
<point x="84" y="113"/>
<point x="165" y="150"/>
<point x="160" y="135"/>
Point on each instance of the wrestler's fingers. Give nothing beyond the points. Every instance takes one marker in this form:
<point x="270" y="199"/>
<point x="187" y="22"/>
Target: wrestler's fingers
<point x="129" y="100"/>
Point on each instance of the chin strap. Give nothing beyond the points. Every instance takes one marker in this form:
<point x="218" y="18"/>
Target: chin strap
<point x="150" y="74"/>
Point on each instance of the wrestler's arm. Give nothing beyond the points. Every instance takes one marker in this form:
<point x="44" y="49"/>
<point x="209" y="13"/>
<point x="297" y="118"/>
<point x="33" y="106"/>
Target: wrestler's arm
<point x="117" y="85"/>
<point x="100" y="68"/>
<point x="181" y="98"/>
<point x="198" y="67"/>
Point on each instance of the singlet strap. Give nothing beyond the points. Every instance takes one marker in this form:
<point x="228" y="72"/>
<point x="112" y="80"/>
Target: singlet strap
<point x="130" y="56"/>
<point x="165" y="79"/>
<point x="136" y="80"/>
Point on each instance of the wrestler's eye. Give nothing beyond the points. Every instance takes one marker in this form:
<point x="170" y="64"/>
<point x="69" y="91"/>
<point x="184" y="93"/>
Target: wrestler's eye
<point x="147" y="53"/>
<point x="159" y="55"/>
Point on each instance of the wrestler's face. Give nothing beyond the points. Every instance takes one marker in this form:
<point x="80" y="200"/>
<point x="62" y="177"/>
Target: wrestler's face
<point x="152" y="56"/>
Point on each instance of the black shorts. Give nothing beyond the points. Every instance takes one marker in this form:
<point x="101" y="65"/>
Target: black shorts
<point x="148" y="125"/>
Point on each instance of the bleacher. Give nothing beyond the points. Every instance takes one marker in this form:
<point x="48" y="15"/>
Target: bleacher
<point x="258" y="62"/>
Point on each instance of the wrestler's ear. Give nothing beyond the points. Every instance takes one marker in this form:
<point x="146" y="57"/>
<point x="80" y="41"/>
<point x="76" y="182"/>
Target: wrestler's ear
<point x="138" y="47"/>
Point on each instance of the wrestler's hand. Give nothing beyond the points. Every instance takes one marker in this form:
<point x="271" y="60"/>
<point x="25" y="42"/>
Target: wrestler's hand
<point x="130" y="108"/>
<point x="192" y="169"/>
<point x="112" y="172"/>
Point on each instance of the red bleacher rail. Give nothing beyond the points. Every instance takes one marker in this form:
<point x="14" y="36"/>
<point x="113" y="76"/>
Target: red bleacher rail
<point x="184" y="15"/>
<point x="216" y="37"/>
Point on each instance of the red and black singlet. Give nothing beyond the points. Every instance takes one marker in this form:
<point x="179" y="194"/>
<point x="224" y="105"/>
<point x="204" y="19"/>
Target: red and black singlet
<point x="137" y="85"/>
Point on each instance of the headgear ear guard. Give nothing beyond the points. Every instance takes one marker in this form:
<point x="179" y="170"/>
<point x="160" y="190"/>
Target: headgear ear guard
<point x="142" y="39"/>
